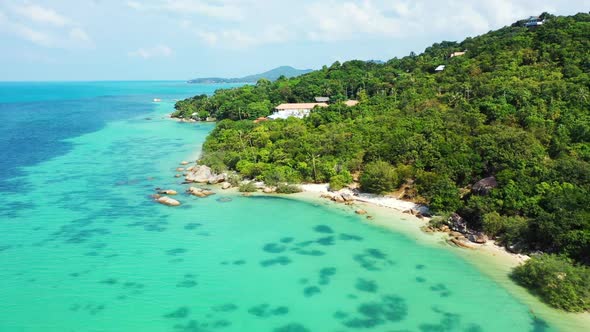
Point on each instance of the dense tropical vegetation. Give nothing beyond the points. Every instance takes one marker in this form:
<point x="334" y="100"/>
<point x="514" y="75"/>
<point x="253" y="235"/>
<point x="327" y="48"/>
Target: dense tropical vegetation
<point x="516" y="107"/>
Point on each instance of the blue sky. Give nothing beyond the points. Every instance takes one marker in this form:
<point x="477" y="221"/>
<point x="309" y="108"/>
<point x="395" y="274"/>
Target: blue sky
<point x="182" y="39"/>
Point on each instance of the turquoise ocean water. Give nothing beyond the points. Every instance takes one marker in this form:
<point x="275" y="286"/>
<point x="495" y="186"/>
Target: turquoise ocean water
<point x="83" y="247"/>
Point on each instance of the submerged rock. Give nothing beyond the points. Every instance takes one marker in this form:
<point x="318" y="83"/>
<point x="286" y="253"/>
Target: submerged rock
<point x="184" y="162"/>
<point x="360" y="211"/>
<point x="167" y="192"/>
<point x="168" y="201"/>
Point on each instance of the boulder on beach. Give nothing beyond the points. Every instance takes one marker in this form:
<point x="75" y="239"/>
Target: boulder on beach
<point x="225" y="185"/>
<point x="215" y="179"/>
<point x="200" y="174"/>
<point x="460" y="243"/>
<point x="167" y="192"/>
<point x="268" y="190"/>
<point x="480" y="238"/>
<point x="168" y="201"/>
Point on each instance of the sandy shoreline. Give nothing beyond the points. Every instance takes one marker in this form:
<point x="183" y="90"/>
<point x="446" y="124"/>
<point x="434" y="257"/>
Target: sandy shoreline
<point x="371" y="200"/>
<point x="489" y="258"/>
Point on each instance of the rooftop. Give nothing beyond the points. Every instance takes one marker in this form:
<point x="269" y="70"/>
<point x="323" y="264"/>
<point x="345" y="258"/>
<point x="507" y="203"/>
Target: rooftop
<point x="300" y="106"/>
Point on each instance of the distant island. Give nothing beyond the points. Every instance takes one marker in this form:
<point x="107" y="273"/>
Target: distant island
<point x="271" y="75"/>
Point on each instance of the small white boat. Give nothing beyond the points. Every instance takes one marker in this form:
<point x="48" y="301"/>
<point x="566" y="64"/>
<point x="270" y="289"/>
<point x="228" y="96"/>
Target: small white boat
<point x="157" y="100"/>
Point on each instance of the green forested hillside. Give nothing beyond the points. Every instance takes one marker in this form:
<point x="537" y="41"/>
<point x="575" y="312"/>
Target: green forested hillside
<point x="516" y="106"/>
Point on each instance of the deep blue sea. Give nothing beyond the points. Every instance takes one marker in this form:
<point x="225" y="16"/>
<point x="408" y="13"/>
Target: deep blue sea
<point x="85" y="248"/>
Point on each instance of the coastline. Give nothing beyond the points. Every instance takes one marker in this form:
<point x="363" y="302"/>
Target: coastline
<point x="370" y="200"/>
<point x="490" y="259"/>
<point x="400" y="216"/>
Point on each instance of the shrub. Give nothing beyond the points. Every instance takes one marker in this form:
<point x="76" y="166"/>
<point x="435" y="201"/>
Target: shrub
<point x="247" y="187"/>
<point x="340" y="180"/>
<point x="234" y="180"/>
<point x="557" y="280"/>
<point x="285" y="188"/>
<point x="379" y="177"/>
<point x="277" y="174"/>
<point x="493" y="223"/>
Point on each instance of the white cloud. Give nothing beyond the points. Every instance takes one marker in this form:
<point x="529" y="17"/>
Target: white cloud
<point x="35" y="36"/>
<point x="239" y="39"/>
<point x="152" y="52"/>
<point x="78" y="34"/>
<point x="226" y="10"/>
<point x="346" y="20"/>
<point x="42" y="15"/>
<point x="42" y="26"/>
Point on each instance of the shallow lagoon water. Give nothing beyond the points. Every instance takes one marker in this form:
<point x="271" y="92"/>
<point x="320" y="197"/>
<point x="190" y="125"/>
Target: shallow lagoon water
<point x="85" y="248"/>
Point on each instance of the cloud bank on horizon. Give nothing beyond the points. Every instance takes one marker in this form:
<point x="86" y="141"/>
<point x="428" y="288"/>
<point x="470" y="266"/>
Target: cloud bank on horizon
<point x="151" y="39"/>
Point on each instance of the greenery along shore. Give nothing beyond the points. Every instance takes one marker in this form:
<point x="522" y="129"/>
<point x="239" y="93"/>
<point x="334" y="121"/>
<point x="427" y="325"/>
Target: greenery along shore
<point x="515" y="107"/>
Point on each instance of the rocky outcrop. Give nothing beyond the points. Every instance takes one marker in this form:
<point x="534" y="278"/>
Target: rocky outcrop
<point x="167" y="201"/>
<point x="199" y="192"/>
<point x="458" y="224"/>
<point x="215" y="179"/>
<point x="204" y="174"/>
<point x="200" y="174"/>
<point x="342" y="196"/>
<point x="167" y="192"/>
<point x="268" y="190"/>
<point x="225" y="185"/>
<point x="484" y="186"/>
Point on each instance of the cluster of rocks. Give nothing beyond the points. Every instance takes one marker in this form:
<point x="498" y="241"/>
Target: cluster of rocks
<point x="416" y="213"/>
<point x="459" y="234"/>
<point x="345" y="196"/>
<point x="192" y="174"/>
<point x="199" y="192"/>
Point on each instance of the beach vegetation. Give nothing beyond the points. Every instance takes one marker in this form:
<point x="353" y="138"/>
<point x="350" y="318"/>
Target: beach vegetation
<point x="558" y="280"/>
<point x="247" y="187"/>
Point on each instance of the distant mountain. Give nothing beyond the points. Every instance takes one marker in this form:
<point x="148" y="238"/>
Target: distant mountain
<point x="271" y="75"/>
